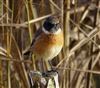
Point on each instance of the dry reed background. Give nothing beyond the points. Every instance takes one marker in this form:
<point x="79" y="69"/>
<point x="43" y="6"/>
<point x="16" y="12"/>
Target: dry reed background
<point x="79" y="62"/>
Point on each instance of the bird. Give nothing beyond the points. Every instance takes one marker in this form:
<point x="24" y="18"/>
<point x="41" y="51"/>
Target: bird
<point x="48" y="40"/>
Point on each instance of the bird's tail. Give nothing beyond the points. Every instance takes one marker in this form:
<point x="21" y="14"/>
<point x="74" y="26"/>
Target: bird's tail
<point x="27" y="53"/>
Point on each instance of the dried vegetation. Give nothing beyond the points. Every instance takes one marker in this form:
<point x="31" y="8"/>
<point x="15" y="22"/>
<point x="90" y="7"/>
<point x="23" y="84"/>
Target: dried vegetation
<point x="79" y="62"/>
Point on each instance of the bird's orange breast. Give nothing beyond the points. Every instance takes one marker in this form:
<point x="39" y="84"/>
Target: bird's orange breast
<point x="46" y="42"/>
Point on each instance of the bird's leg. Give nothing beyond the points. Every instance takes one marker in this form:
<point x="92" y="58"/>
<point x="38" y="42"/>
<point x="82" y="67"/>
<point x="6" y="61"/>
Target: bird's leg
<point x="43" y="65"/>
<point x="48" y="65"/>
<point x="52" y="67"/>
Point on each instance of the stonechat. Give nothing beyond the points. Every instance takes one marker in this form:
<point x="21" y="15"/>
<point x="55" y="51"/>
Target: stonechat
<point x="48" y="40"/>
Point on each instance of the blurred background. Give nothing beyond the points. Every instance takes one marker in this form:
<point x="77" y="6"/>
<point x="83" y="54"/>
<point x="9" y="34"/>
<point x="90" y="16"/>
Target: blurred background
<point x="78" y="64"/>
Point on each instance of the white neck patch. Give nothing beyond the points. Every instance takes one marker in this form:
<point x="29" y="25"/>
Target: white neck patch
<point x="47" y="32"/>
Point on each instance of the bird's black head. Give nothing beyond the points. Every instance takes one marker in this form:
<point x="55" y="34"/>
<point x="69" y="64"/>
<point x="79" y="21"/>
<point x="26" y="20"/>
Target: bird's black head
<point x="51" y="24"/>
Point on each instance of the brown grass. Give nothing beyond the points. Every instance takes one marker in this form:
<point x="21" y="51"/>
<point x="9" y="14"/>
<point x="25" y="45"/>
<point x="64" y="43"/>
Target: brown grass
<point x="79" y="62"/>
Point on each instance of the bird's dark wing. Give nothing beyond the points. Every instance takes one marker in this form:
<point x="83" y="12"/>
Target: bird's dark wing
<point x="37" y="34"/>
